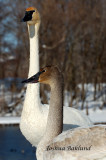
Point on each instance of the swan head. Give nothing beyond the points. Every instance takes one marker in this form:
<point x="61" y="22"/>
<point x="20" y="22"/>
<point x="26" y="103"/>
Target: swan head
<point x="32" y="16"/>
<point x="46" y="75"/>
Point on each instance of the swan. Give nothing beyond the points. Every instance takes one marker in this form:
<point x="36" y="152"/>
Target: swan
<point x="34" y="114"/>
<point x="87" y="143"/>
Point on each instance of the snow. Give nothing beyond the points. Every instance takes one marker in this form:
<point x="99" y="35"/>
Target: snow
<point x="9" y="120"/>
<point x="97" y="116"/>
<point x="13" y="101"/>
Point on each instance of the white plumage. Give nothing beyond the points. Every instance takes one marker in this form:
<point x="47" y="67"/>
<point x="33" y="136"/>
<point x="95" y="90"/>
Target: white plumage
<point x="34" y="114"/>
<point x="81" y="143"/>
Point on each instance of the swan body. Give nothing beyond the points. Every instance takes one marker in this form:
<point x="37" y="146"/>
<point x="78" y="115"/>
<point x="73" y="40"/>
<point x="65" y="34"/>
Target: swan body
<point x="82" y="143"/>
<point x="78" y="144"/>
<point x="33" y="128"/>
<point x="34" y="114"/>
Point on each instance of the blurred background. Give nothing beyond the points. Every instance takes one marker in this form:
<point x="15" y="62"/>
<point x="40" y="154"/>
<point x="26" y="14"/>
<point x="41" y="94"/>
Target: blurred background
<point x="73" y="37"/>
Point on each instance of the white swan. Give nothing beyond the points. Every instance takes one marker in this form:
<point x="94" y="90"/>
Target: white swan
<point x="76" y="144"/>
<point x="34" y="114"/>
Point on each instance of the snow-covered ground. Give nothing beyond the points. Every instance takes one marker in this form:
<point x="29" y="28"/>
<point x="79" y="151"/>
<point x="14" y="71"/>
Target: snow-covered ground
<point x="98" y="116"/>
<point x="95" y="109"/>
<point x="11" y="101"/>
<point x="9" y="120"/>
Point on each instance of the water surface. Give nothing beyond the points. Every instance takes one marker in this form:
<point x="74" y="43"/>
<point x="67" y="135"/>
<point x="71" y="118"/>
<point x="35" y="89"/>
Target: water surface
<point x="13" y="145"/>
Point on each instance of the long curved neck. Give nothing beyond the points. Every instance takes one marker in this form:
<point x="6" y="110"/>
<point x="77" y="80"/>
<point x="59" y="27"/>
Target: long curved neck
<point x="34" y="49"/>
<point x="33" y="89"/>
<point x="55" y="118"/>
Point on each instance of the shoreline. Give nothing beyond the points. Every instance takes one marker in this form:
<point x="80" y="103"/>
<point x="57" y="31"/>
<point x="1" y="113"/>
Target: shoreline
<point x="15" y="121"/>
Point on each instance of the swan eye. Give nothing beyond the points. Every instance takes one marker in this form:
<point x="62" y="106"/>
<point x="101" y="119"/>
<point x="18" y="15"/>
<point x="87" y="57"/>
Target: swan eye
<point x="44" y="70"/>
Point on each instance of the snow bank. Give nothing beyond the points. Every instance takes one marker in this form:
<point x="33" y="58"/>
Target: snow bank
<point x="9" y="120"/>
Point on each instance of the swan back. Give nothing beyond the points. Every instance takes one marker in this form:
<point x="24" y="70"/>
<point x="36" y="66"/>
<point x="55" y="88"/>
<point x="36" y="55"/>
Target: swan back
<point x="78" y="144"/>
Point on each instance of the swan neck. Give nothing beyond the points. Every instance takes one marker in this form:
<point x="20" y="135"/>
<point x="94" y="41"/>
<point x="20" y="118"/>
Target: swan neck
<point x="55" y="116"/>
<point x="33" y="90"/>
<point x="34" y="49"/>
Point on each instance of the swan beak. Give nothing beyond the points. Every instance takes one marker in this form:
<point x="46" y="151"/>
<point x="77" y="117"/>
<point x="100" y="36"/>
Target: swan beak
<point x="33" y="79"/>
<point x="28" y="16"/>
<point x="25" y="19"/>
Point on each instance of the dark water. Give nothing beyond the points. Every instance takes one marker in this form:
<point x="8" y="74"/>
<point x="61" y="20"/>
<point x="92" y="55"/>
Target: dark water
<point x="13" y="145"/>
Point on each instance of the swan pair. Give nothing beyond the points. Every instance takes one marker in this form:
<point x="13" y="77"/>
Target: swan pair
<point x="34" y="114"/>
<point x="76" y="144"/>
